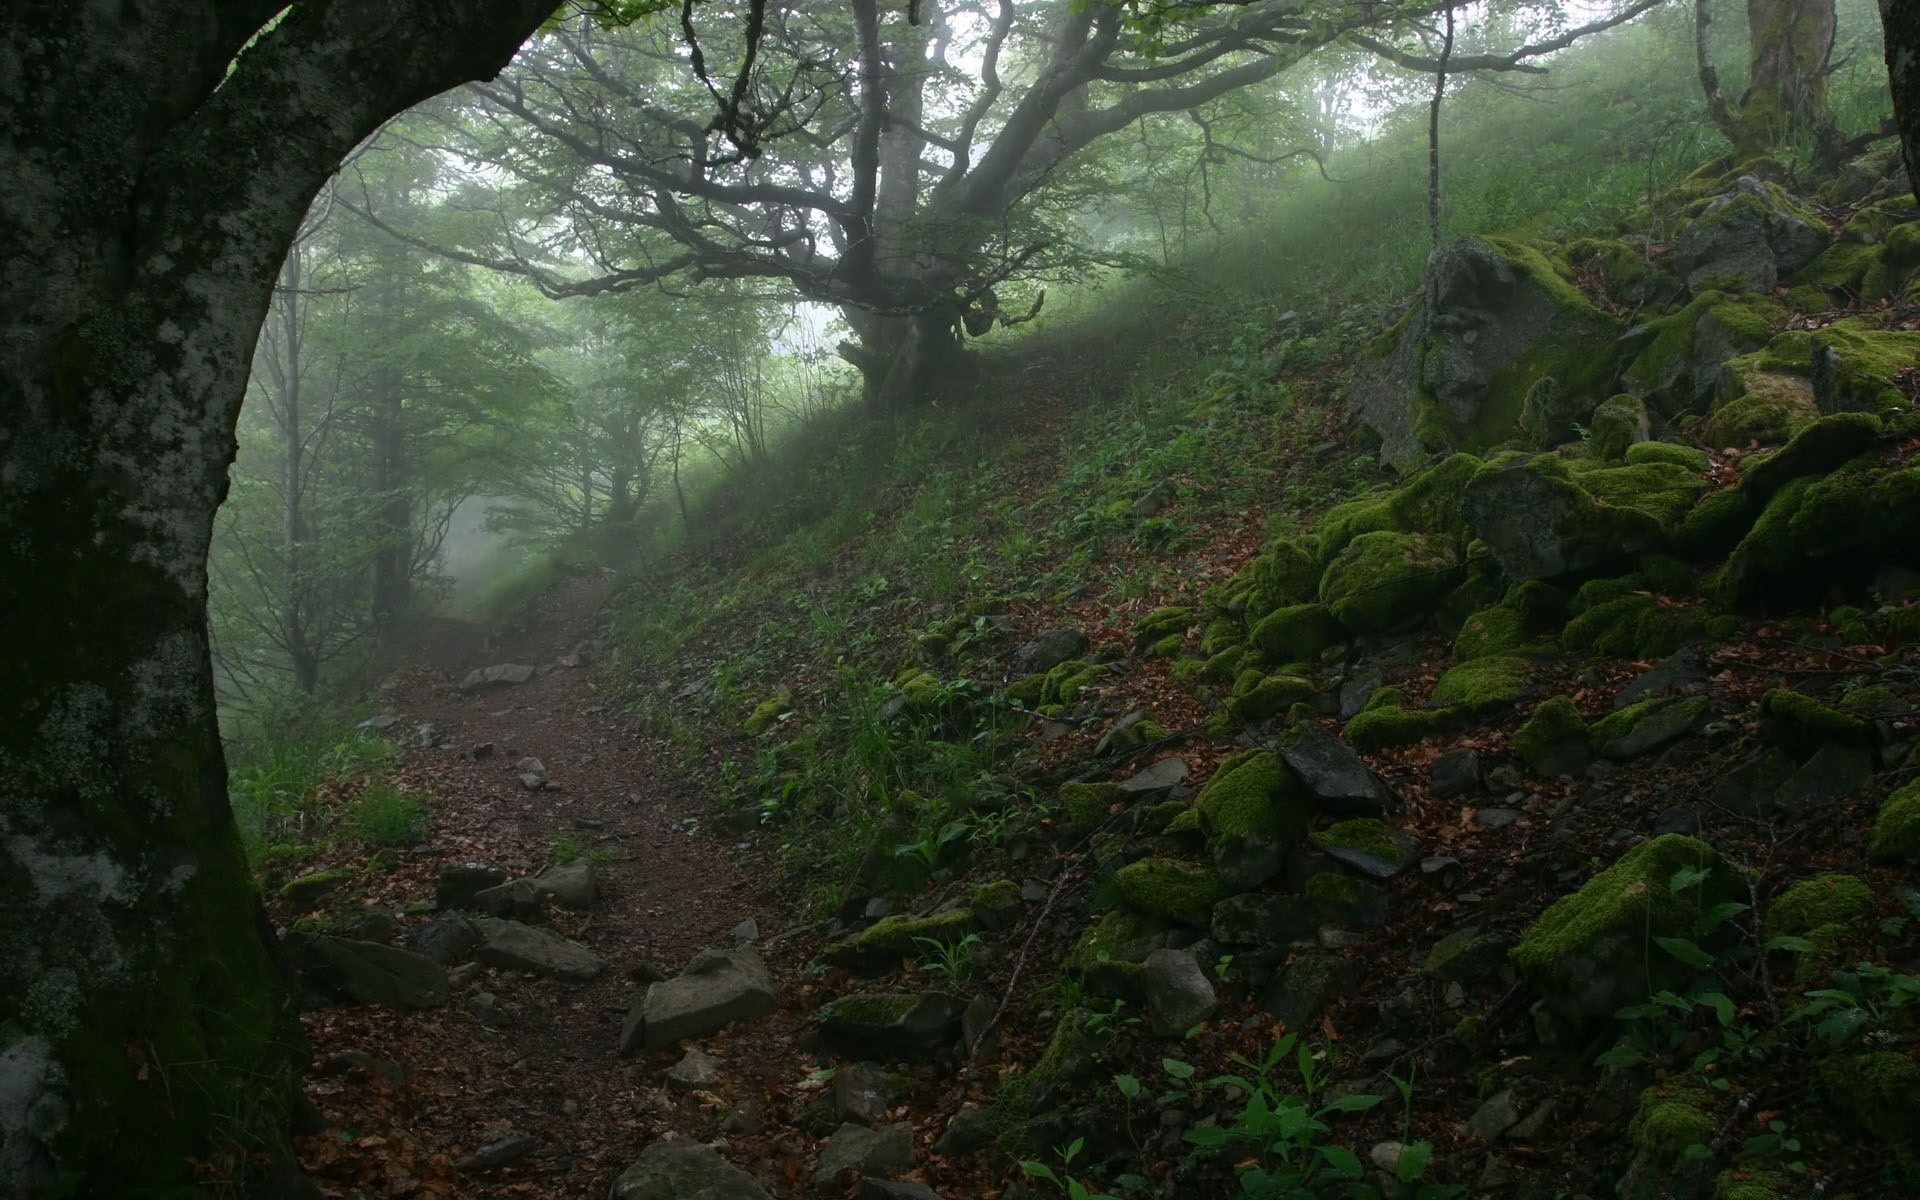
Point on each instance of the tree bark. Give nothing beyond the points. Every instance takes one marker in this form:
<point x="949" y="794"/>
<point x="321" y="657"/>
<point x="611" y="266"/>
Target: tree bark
<point x="1788" y="46"/>
<point x="156" y="167"/>
<point x="1900" y="22"/>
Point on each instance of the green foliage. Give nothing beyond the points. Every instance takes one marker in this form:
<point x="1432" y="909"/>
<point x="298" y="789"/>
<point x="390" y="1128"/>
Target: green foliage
<point x="385" y="816"/>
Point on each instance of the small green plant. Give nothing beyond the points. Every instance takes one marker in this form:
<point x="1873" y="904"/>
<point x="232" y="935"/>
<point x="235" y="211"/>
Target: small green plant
<point x="1129" y="1088"/>
<point x="1778" y="1144"/>
<point x="388" y="817"/>
<point x="1069" y="1187"/>
<point x="1862" y="1006"/>
<point x="563" y="847"/>
<point x="952" y="959"/>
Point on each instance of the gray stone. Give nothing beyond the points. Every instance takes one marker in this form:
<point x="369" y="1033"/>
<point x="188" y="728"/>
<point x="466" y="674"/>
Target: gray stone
<point x="1466" y="955"/>
<point x="1051" y="649"/>
<point x="1340" y="780"/>
<point x="309" y="890"/>
<point x="518" y="947"/>
<point x="498" y="1153"/>
<point x="1373" y="865"/>
<point x="685" y="1170"/>
<point x="695" y="1069"/>
<point x="378" y="723"/>
<point x="1304" y="989"/>
<point x="1749" y="235"/>
<point x="1834" y="773"/>
<point x="1538" y="525"/>
<point x="1455" y="773"/>
<point x="1684" y="669"/>
<point x="1497" y="818"/>
<point x="572" y="885"/>
<point x="1534" y="1124"/>
<point x="883" y="1151"/>
<point x="1660" y="728"/>
<point x="532" y="772"/>
<point x="426" y="736"/>
<point x="1178" y="994"/>
<point x="499" y="675"/>
<point x="447" y="938"/>
<point x="1158" y="777"/>
<point x="1257" y="919"/>
<point x="466" y="973"/>
<point x="890" y="1025"/>
<point x="747" y="931"/>
<point x="978" y="1034"/>
<point x="485" y="1006"/>
<point x="515" y="900"/>
<point x="457" y="885"/>
<point x="861" y="1093"/>
<point x="1749" y="788"/>
<point x="1494" y="1117"/>
<point x="371" y="973"/>
<point x="718" y="988"/>
<point x="970" y="1129"/>
<point x="1356" y="690"/>
<point x="1358" y="902"/>
<point x="743" y="1118"/>
<point x="370" y="924"/>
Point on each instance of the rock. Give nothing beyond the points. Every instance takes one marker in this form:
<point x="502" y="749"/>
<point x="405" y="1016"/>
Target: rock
<point x="1161" y="776"/>
<point x="370" y="924"/>
<point x="747" y="931"/>
<point x="1257" y="919"/>
<point x="515" y="900"/>
<point x="883" y="1151"/>
<point x="1455" y="773"/>
<point x="1834" y="773"/>
<point x="1466" y="955"/>
<point x="1646" y="727"/>
<point x="685" y="1170"/>
<point x="1497" y="818"/>
<point x="743" y="1118"/>
<point x="1538" y="523"/>
<point x="480" y="750"/>
<point x="426" y="736"/>
<point x="695" y="1070"/>
<point x="499" y="675"/>
<point x="518" y="947"/>
<point x="1748" y="238"/>
<point x="447" y="938"/>
<point x="464" y="974"/>
<point x="486" y="1007"/>
<point x="309" y="890"/>
<point x="861" y="1093"/>
<point x="572" y="885"/>
<point x="978" y="1033"/>
<point x="970" y="1129"/>
<point x="890" y="1025"/>
<point x="1178" y="994"/>
<point x="1338" y="778"/>
<point x="1534" y="1124"/>
<point x="1051" y="649"/>
<point x="1369" y="846"/>
<point x="1669" y="674"/>
<point x="1384" y="580"/>
<point x="457" y="885"/>
<point x="370" y="973"/>
<point x="896" y="1189"/>
<point x="718" y="988"/>
<point x="1303" y="990"/>
<point x="378" y="723"/>
<point x="375" y="1066"/>
<point x="497" y="1153"/>
<point x="532" y="773"/>
<point x="1494" y="1117"/>
<point x="1252" y="811"/>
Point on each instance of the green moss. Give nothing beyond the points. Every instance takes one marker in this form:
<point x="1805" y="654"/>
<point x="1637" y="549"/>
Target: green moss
<point x="1187" y="820"/>
<point x="868" y="1011"/>
<point x="1253" y="795"/>
<point x="1816" y="534"/>
<point x="1492" y="631"/>
<point x="1873" y="701"/>
<point x="1633" y="897"/>
<point x="1386" y="697"/>
<point x="1663" y="491"/>
<point x="1800" y="725"/>
<point x="1222" y="667"/>
<point x="1381" y="728"/>
<point x="1483" y="685"/>
<point x="1595" y="592"/>
<point x="1539" y="603"/>
<point x="768" y="711"/>
<point x="1223" y="635"/>
<point x="1335" y="890"/>
<point x="1633" y="627"/>
<point x="1896" y="830"/>
<point x="1106" y="957"/>
<point x="1669" y="1119"/>
<point x="1553" y="723"/>
<point x="1383" y="580"/>
<point x="1070" y="1053"/>
<point x="1368" y="835"/>
<point x="1821" y="447"/>
<point x="1286" y="573"/>
<point x="310" y="889"/>
<point x="1065" y="682"/>
<point x="1696" y="335"/>
<point x="1694" y="460"/>
<point x="1086" y="804"/>
<point x="1001" y="895"/>
<point x="1272" y="694"/>
<point x="1758" y="406"/>
<point x="1297" y="633"/>
<point x="920" y="689"/>
<point x="1171" y="621"/>
<point x="1428" y="502"/>
<point x="892" y="937"/>
<point x="1666" y="574"/>
<point x="1170" y="889"/>
<point x="1675" y="714"/>
<point x="1619" y="423"/>
<point x="1875" y="1090"/>
<point x="1823" y="900"/>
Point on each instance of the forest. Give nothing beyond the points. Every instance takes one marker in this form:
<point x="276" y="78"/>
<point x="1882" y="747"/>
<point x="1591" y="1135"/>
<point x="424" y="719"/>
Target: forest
<point x="1102" y="599"/>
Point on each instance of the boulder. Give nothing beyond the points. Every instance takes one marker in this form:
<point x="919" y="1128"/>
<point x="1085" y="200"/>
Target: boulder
<point x="894" y="1026"/>
<point x="1178" y="994"/>
<point x="886" y="1150"/>
<point x="1538" y="523"/>
<point x="1747" y="239"/>
<point x="370" y="973"/>
<point x="1050" y="649"/>
<point x="309" y="890"/>
<point x="683" y="1169"/>
<point x="1161" y="776"/>
<point x="447" y="938"/>
<point x="1251" y="811"/>
<point x="1383" y="580"/>
<point x="1369" y="846"/>
<point x="515" y="900"/>
<point x="696" y="1069"/>
<point x="1338" y="779"/>
<point x="861" y="1093"/>
<point x="457" y="885"/>
<point x="572" y="885"/>
<point x="1300" y="993"/>
<point x="1258" y="919"/>
<point x="499" y="675"/>
<point x="518" y="947"/>
<point x="718" y="988"/>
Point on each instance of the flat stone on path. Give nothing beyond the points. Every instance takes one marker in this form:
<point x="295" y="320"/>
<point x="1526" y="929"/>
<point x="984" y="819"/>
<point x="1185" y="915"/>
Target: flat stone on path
<point x="499" y="675"/>
<point x="460" y="883"/>
<point x="684" y="1169"/>
<point x="572" y="885"/>
<point x="520" y="947"/>
<point x="372" y="973"/>
<point x="718" y="988"/>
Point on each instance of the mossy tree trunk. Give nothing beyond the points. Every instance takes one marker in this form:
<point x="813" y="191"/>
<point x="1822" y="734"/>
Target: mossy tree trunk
<point x="1900" y="20"/>
<point x="1789" y="43"/>
<point x="158" y="157"/>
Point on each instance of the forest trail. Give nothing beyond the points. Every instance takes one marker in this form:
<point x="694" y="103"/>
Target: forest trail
<point x="534" y="1070"/>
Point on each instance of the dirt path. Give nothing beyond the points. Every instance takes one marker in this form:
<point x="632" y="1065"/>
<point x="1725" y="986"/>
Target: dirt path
<point x="406" y="1093"/>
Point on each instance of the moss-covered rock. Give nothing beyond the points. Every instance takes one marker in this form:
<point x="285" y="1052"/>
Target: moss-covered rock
<point x="1670" y="1119"/>
<point x="1758" y="407"/>
<point x="1800" y="725"/>
<point x="1107" y="957"/>
<point x="1171" y="889"/>
<point x="1389" y="725"/>
<point x="768" y="711"/>
<point x="1635" y="626"/>
<point x="1647" y="726"/>
<point x="919" y="689"/>
<point x="1715" y="525"/>
<point x="1619" y="423"/>
<point x="1171" y="621"/>
<point x="1367" y="844"/>
<point x="1297" y="633"/>
<point x="1553" y="740"/>
<point x="1680" y="363"/>
<point x="1344" y="899"/>
<point x="1816" y="534"/>
<point x="310" y="889"/>
<point x="1663" y="491"/>
<point x="1833" y="898"/>
<point x="892" y="938"/>
<point x="1896" y="830"/>
<point x="1538" y="523"/>
<point x="1669" y="453"/>
<point x="1251" y="811"/>
<point x="1821" y="447"/>
<point x="1875" y="1091"/>
<point x="1272" y="694"/>
<point x="1286" y="573"/>
<point x="1483" y="685"/>
<point x="1499" y="630"/>
<point x="1382" y="581"/>
<point x="1086" y="805"/>
<point x="1590" y="951"/>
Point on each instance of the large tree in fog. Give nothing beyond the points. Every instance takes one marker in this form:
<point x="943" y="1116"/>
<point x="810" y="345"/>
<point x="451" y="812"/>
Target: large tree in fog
<point x="901" y="162"/>
<point x="1900" y="20"/>
<point x="157" y="157"/>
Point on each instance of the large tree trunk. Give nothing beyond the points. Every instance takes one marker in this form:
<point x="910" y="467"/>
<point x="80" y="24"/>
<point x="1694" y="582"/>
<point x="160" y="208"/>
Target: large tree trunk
<point x="1788" y="45"/>
<point x="154" y="176"/>
<point x="909" y="361"/>
<point x="1900" y="19"/>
